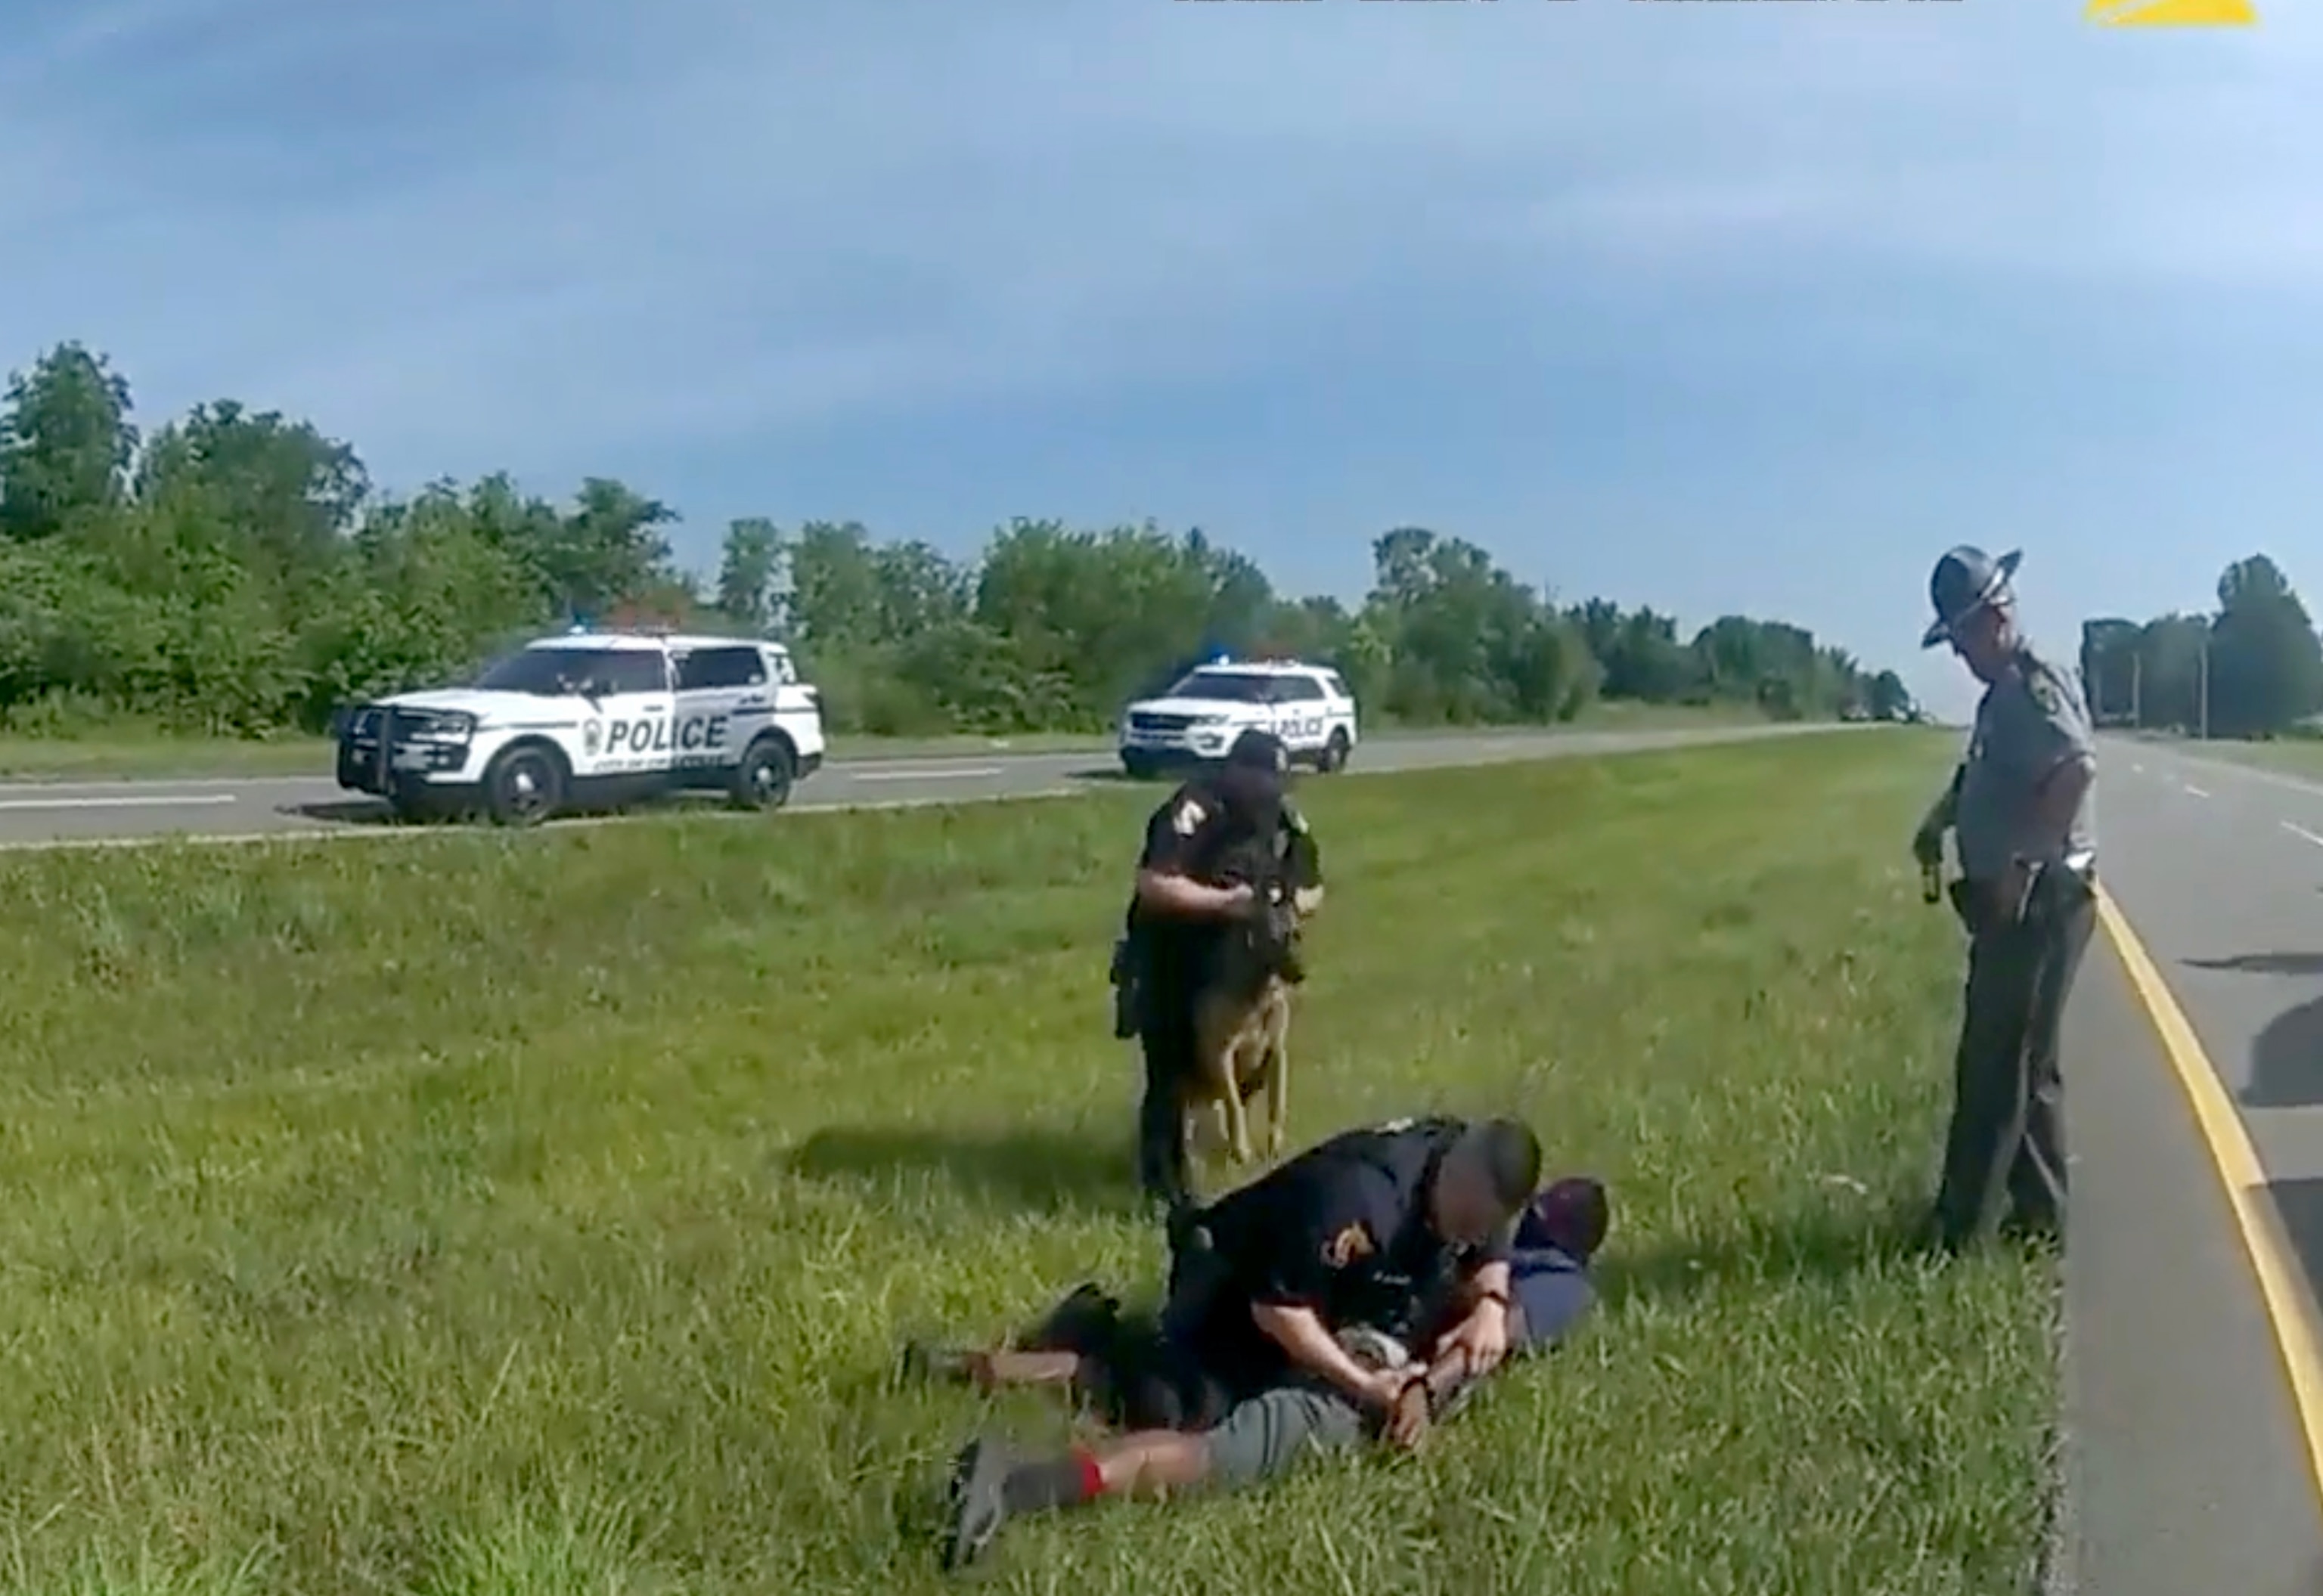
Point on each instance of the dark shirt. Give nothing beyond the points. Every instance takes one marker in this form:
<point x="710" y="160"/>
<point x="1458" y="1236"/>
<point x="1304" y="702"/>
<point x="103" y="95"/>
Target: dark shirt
<point x="1193" y="835"/>
<point x="1342" y="1230"/>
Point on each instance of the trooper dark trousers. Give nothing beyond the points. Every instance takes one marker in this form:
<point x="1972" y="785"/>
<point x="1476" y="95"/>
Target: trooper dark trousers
<point x="2007" y="1134"/>
<point x="1165" y="1034"/>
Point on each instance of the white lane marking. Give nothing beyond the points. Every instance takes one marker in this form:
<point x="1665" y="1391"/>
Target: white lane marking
<point x="927" y="772"/>
<point x="2302" y="832"/>
<point x="140" y="784"/>
<point x="141" y="801"/>
<point x="2195" y="791"/>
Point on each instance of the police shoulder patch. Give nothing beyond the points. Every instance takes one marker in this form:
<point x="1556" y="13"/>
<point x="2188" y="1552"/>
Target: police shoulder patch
<point x="1348" y="1246"/>
<point x="2047" y="691"/>
<point x="1189" y="818"/>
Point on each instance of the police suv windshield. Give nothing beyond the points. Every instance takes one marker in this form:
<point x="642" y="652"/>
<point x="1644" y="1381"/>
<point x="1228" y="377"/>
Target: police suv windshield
<point x="1221" y="686"/>
<point x="565" y="673"/>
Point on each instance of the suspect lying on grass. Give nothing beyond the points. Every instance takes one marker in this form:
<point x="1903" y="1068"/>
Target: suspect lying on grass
<point x="538" y="1216"/>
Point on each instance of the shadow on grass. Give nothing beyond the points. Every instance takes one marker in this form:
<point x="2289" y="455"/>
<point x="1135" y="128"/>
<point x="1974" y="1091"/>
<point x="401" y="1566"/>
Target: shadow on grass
<point x="1032" y="1167"/>
<point x="1826" y="1247"/>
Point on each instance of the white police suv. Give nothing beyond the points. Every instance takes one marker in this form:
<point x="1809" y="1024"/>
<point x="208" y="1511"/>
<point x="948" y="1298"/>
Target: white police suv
<point x="592" y="720"/>
<point x="1308" y="706"/>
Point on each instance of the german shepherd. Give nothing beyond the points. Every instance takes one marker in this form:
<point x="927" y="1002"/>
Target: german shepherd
<point x="1241" y="1026"/>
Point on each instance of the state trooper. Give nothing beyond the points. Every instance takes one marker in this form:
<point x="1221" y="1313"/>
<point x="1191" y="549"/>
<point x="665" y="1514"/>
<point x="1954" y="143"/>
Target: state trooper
<point x="2018" y="809"/>
<point x="1187" y="897"/>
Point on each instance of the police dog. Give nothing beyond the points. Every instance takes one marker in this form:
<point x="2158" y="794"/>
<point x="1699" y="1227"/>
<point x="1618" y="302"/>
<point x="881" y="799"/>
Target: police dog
<point x="1242" y="1023"/>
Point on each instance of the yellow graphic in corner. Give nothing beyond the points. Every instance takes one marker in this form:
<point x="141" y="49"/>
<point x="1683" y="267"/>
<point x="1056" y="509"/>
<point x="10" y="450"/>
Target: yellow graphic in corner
<point x="2171" y="13"/>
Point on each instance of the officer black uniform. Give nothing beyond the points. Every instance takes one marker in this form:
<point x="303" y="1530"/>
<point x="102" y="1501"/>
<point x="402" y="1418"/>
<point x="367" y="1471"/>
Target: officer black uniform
<point x="2018" y="808"/>
<point x="1351" y="1229"/>
<point x="1205" y="832"/>
<point x="1363" y="1230"/>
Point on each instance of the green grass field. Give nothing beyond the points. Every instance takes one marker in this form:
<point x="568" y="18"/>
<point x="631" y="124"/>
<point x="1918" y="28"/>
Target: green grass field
<point x="479" y="1215"/>
<point x="130" y="752"/>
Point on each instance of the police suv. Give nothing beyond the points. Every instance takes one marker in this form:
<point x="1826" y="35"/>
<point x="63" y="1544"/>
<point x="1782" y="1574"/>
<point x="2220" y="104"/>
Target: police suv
<point x="1308" y="707"/>
<point x="592" y="720"/>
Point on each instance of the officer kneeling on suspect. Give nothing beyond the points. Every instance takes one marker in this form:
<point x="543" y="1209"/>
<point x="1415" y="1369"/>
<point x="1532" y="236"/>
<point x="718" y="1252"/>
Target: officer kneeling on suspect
<point x="1378" y="1235"/>
<point x="2018" y="809"/>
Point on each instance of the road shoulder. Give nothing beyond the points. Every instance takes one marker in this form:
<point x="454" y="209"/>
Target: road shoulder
<point x="2186" y="1464"/>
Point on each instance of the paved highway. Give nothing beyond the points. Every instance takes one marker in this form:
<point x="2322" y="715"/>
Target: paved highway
<point x="55" y="813"/>
<point x="2192" y="1468"/>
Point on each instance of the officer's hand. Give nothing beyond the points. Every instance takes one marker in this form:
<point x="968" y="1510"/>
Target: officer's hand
<point x="1483" y="1335"/>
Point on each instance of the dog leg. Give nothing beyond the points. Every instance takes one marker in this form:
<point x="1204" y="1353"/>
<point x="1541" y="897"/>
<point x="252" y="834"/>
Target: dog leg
<point x="1237" y="1128"/>
<point x="1278" y="1079"/>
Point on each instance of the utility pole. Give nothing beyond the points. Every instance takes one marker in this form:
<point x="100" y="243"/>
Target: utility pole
<point x="2136" y="683"/>
<point x="2205" y="709"/>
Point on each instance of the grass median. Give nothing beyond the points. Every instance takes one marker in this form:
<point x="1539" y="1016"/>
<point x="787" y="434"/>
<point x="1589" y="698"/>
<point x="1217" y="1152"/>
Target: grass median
<point x="538" y="1215"/>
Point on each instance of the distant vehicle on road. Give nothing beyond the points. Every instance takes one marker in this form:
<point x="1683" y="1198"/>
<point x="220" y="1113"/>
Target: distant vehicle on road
<point x="592" y="720"/>
<point x="1197" y="717"/>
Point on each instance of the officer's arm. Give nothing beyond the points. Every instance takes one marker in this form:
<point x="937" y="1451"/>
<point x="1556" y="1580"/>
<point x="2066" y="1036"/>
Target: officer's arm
<point x="1173" y="837"/>
<point x="2061" y="753"/>
<point x="1946" y="808"/>
<point x="1336" y="1229"/>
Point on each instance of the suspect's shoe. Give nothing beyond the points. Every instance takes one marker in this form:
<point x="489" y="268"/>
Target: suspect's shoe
<point x="979" y="1503"/>
<point x="1082" y="1321"/>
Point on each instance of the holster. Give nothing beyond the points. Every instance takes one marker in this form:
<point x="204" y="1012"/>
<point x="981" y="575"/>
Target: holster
<point x="1128" y="990"/>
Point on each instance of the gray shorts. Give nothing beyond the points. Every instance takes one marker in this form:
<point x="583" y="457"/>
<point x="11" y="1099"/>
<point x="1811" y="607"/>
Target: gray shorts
<point x="1262" y="1437"/>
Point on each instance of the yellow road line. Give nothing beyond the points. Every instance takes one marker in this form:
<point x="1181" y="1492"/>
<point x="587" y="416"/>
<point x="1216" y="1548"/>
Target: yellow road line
<point x="2291" y="1304"/>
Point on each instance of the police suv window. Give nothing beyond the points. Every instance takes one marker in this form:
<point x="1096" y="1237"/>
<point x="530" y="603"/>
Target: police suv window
<point x="708" y="668"/>
<point x="1300" y="690"/>
<point x="635" y="670"/>
<point x="1336" y="683"/>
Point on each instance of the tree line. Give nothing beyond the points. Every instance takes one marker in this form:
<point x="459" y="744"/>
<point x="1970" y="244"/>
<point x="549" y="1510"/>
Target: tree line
<point x="2253" y="667"/>
<point x="236" y="572"/>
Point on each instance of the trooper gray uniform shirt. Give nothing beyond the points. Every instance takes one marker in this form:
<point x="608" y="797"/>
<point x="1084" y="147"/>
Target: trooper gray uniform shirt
<point x="2025" y="727"/>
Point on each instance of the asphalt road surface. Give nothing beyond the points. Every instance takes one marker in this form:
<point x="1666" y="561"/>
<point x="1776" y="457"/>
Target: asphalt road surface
<point x="52" y="813"/>
<point x="2191" y="1469"/>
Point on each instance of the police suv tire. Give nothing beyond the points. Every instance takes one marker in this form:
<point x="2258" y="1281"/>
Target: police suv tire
<point x="764" y="777"/>
<point x="524" y="786"/>
<point x="1334" y="757"/>
<point x="1138" y="767"/>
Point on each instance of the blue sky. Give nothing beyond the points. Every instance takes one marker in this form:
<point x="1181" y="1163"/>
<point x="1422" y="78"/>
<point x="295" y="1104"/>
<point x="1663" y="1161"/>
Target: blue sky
<point x="1746" y="306"/>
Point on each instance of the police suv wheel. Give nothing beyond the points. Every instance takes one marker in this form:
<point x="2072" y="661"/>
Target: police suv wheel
<point x="1138" y="767"/>
<point x="1334" y="754"/>
<point x="764" y="777"/>
<point x="523" y="787"/>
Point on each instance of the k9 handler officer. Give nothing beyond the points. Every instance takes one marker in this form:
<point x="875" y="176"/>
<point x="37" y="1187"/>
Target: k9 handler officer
<point x="2018" y="809"/>
<point x="1182" y="907"/>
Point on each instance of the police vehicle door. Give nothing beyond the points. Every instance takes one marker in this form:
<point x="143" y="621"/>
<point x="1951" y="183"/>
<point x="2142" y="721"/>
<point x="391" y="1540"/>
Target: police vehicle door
<point x="1298" y="718"/>
<point x="630" y="733"/>
<point x="724" y="700"/>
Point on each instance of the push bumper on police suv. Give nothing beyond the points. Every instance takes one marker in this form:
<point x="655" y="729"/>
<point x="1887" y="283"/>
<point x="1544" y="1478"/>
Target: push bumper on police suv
<point x="1154" y="739"/>
<point x="413" y="758"/>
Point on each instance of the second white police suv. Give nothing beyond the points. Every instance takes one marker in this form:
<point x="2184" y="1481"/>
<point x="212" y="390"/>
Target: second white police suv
<point x="592" y="720"/>
<point x="1197" y="721"/>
